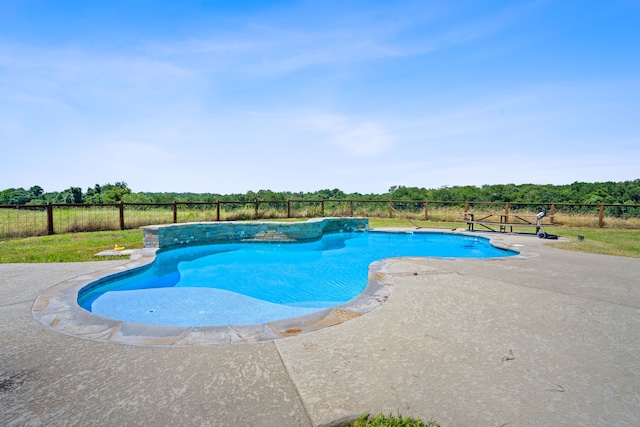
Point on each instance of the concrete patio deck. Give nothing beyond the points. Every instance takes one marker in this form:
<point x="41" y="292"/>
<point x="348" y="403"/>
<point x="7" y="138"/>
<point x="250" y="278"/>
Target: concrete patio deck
<point x="550" y="340"/>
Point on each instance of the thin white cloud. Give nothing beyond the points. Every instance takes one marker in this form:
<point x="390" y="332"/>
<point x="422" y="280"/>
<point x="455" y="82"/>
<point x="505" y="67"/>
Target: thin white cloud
<point x="66" y="71"/>
<point x="254" y="50"/>
<point x="360" y="138"/>
<point x="485" y="26"/>
<point x="284" y="46"/>
<point x="363" y="139"/>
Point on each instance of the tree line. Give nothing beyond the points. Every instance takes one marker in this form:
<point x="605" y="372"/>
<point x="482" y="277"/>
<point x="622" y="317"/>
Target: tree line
<point x="626" y="192"/>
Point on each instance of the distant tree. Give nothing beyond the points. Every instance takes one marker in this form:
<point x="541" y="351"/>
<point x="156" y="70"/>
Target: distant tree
<point x="64" y="197"/>
<point x="408" y="193"/>
<point x="6" y="196"/>
<point x="598" y="196"/>
<point x="121" y="185"/>
<point x="70" y="195"/>
<point x="20" y="197"/>
<point x="271" y="195"/>
<point x="137" y="198"/>
<point x="329" y="194"/>
<point x="444" y="194"/>
<point x="248" y="196"/>
<point x="93" y="195"/>
<point x="627" y="192"/>
<point x="36" y="192"/>
<point x="113" y="193"/>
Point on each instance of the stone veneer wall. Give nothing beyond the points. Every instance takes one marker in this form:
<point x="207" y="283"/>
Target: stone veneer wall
<point x="202" y="233"/>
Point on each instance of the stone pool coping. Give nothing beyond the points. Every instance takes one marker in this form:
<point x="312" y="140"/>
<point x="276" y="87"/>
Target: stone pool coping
<point x="58" y="309"/>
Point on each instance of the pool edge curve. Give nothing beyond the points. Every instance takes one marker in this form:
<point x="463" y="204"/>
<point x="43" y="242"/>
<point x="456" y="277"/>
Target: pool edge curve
<point x="58" y="309"/>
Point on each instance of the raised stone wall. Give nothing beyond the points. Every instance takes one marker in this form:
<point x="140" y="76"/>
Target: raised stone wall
<point x="202" y="233"/>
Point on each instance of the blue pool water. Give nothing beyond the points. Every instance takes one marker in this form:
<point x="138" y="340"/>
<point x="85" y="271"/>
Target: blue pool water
<point x="254" y="283"/>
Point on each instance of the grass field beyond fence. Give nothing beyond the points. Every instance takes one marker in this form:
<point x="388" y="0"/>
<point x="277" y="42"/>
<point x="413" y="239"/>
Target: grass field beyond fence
<point x="24" y="221"/>
<point x="82" y="246"/>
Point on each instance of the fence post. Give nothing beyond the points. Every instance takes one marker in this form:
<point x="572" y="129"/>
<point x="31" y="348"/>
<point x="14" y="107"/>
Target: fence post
<point x="288" y="208"/>
<point x="218" y="210"/>
<point x="351" y="201"/>
<point x="601" y="216"/>
<point x="553" y="213"/>
<point x="49" y="218"/>
<point x="255" y="209"/>
<point x="426" y="210"/>
<point x="506" y="212"/>
<point x="322" y="208"/>
<point x="121" y="212"/>
<point x="390" y="209"/>
<point x="175" y="212"/>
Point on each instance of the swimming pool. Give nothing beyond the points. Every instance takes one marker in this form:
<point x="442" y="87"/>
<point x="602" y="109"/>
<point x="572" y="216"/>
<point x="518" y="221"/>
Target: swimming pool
<point x="255" y="282"/>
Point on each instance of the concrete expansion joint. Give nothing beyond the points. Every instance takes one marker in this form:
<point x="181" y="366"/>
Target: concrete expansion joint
<point x="293" y="384"/>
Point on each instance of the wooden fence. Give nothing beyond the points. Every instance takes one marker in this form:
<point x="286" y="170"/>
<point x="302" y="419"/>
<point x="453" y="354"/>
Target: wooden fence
<point x="52" y="218"/>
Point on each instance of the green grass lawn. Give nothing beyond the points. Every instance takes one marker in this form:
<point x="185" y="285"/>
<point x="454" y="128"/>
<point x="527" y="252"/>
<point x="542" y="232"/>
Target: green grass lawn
<point x="82" y="246"/>
<point x="68" y="247"/>
<point x="604" y="241"/>
<point x="380" y="420"/>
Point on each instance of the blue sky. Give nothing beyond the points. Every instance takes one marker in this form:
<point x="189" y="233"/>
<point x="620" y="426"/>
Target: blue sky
<point x="231" y="96"/>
